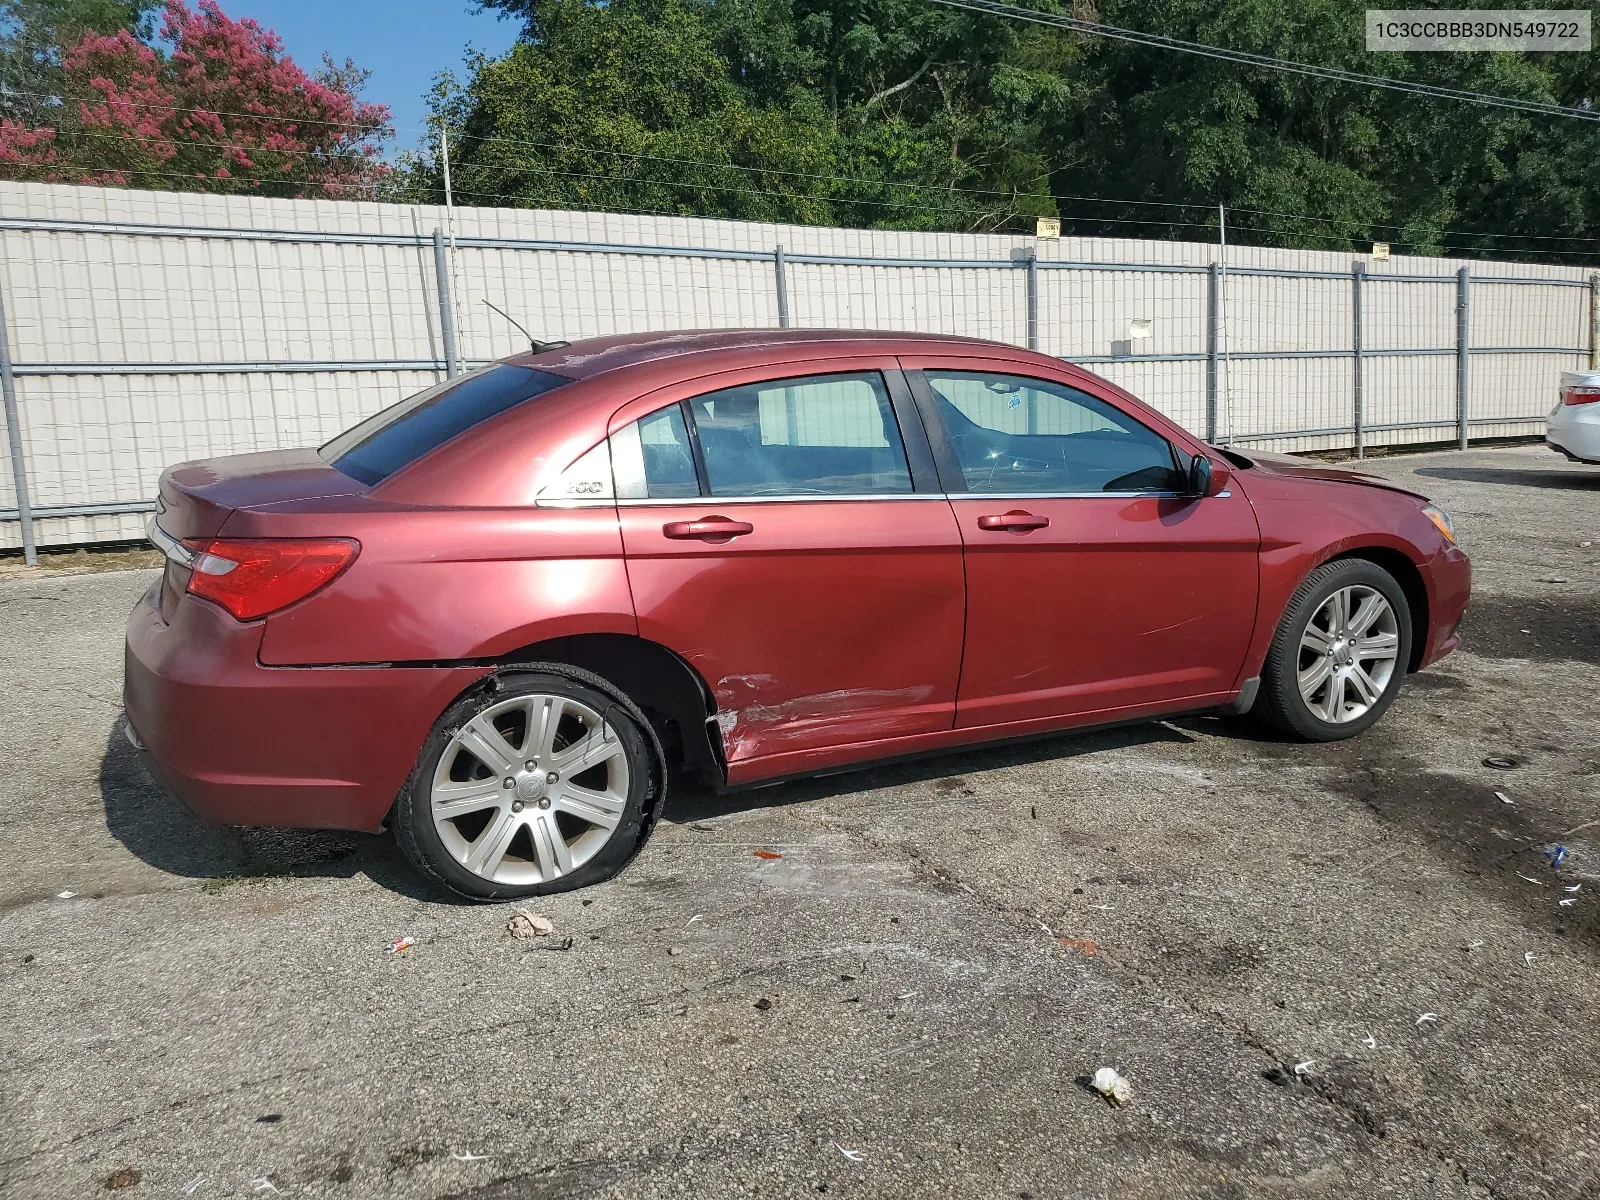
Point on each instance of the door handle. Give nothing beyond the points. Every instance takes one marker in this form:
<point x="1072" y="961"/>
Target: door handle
<point x="1015" y="521"/>
<point x="707" y="529"/>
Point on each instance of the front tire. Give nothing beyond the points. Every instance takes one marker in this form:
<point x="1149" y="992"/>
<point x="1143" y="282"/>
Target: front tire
<point x="540" y="783"/>
<point x="1339" y="655"/>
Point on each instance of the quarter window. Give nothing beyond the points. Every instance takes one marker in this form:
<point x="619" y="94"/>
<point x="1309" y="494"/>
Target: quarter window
<point x="1011" y="433"/>
<point x="826" y="435"/>
<point x="652" y="458"/>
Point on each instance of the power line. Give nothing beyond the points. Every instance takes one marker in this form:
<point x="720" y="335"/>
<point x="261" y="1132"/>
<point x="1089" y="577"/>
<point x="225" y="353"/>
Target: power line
<point x="995" y="8"/>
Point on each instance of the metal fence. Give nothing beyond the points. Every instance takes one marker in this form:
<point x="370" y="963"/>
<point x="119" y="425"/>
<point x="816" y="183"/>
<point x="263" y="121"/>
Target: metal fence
<point x="141" y="329"/>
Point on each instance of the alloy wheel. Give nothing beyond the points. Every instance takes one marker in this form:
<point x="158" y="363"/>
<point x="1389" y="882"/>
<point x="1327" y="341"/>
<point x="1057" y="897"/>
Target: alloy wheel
<point x="530" y="789"/>
<point x="1348" y="654"/>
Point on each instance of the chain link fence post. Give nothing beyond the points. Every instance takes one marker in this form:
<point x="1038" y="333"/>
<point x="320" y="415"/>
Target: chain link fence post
<point x="1032" y="265"/>
<point x="1463" y="354"/>
<point x="1594" y="322"/>
<point x="780" y="279"/>
<point x="19" y="473"/>
<point x="447" y="323"/>
<point x="1213" y="327"/>
<point x="1357" y="414"/>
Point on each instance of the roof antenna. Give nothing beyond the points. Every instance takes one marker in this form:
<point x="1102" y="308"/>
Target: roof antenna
<point x="538" y="346"/>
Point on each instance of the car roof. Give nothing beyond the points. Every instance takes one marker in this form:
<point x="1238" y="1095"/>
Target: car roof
<point x="595" y="356"/>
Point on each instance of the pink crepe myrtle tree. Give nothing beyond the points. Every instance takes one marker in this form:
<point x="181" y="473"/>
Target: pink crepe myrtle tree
<point x="224" y="111"/>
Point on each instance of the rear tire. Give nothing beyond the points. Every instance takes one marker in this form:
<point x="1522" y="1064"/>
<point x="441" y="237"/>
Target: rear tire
<point x="1339" y="655"/>
<point x="541" y="782"/>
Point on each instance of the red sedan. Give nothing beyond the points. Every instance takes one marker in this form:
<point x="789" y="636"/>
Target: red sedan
<point x="500" y="613"/>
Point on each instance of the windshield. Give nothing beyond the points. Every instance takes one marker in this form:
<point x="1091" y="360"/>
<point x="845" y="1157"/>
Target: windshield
<point x="404" y="432"/>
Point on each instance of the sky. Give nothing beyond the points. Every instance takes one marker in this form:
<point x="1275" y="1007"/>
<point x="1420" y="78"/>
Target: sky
<point x="404" y="43"/>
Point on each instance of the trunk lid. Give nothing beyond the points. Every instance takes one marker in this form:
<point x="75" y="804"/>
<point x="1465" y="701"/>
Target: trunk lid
<point x="194" y="499"/>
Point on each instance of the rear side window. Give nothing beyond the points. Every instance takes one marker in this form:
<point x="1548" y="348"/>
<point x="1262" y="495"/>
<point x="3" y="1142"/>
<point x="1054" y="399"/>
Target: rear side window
<point x="403" y="433"/>
<point x="823" y="435"/>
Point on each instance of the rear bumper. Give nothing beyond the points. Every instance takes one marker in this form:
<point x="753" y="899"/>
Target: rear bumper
<point x="1574" y="430"/>
<point x="242" y="744"/>
<point x="1448" y="575"/>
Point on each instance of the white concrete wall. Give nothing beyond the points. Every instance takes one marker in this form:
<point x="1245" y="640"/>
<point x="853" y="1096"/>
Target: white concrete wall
<point x="107" y="297"/>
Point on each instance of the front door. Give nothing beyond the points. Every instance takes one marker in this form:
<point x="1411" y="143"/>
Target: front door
<point x="1094" y="586"/>
<point x="779" y="537"/>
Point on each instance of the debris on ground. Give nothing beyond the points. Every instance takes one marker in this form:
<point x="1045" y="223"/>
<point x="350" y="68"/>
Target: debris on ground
<point x="1112" y="1086"/>
<point x="1304" y="1068"/>
<point x="1370" y="1042"/>
<point x="1503" y="798"/>
<point x="691" y="920"/>
<point x="674" y="951"/>
<point x="193" y="1185"/>
<point x="905" y="995"/>
<point x="122" y="1177"/>
<point x="1554" y="855"/>
<point x="65" y="895"/>
<point x="852" y="1155"/>
<point x="768" y="854"/>
<point x="1552" y="579"/>
<point x="1565" y="901"/>
<point x="1500" y="762"/>
<point x="1528" y="878"/>
<point x="263" y="1185"/>
<point x="1573" y="888"/>
<point x="1427" y="1018"/>
<point x="401" y="943"/>
<point x="763" y="1004"/>
<point x="1529" y="957"/>
<point x="467" y="1156"/>
<point x="524" y="925"/>
<point x="1081" y="944"/>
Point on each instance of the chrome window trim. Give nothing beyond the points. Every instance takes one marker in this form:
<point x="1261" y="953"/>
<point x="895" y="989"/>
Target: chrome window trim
<point x="715" y="501"/>
<point x="170" y="546"/>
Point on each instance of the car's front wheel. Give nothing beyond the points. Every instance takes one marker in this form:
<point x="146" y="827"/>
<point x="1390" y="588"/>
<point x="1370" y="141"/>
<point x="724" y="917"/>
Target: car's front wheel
<point x="1340" y="653"/>
<point x="543" y="783"/>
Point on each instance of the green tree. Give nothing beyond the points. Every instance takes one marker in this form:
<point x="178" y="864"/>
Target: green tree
<point x="1309" y="162"/>
<point x="35" y="36"/>
<point x="886" y="112"/>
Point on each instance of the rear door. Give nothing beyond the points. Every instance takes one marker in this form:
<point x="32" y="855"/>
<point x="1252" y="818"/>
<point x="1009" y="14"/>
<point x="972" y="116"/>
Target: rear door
<point x="788" y="537"/>
<point x="1093" y="585"/>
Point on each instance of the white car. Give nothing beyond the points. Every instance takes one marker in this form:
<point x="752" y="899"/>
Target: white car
<point x="1574" y="423"/>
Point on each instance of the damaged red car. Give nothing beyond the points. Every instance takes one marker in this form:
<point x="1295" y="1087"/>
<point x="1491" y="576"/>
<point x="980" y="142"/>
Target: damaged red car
<point x="499" y="615"/>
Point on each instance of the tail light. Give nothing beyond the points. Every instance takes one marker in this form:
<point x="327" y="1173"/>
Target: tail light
<point x="1584" y="394"/>
<point x="251" y="577"/>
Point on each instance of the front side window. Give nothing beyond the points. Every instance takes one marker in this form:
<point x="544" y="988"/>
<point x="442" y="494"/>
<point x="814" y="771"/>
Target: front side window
<point x="825" y="435"/>
<point x="1012" y="433"/>
<point x="404" y="432"/>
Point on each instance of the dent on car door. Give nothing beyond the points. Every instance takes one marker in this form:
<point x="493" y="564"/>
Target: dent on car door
<point x="779" y="537"/>
<point x="1094" y="586"/>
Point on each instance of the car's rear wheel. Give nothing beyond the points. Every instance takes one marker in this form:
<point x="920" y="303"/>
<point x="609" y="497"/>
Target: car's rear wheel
<point x="542" y="784"/>
<point x="1340" y="653"/>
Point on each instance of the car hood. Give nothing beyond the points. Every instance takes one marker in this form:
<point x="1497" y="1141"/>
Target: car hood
<point x="1304" y="468"/>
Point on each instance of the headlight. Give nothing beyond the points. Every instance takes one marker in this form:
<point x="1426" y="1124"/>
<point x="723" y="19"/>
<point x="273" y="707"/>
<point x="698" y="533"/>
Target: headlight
<point x="1442" y="519"/>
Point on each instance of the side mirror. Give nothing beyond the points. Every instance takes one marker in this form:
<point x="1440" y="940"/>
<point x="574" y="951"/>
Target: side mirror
<point x="1207" y="477"/>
